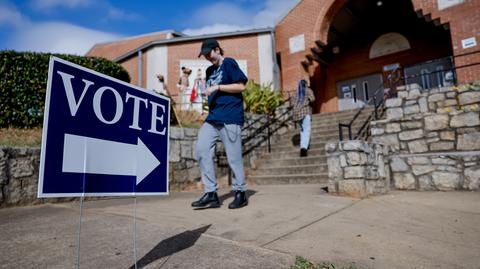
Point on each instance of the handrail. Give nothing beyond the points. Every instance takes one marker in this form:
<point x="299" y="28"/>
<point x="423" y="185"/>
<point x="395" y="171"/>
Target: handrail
<point x="272" y="123"/>
<point x="375" y="113"/>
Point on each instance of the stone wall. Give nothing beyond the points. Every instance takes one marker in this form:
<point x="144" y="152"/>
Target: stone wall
<point x="357" y="168"/>
<point x="19" y="167"/>
<point x="434" y="138"/>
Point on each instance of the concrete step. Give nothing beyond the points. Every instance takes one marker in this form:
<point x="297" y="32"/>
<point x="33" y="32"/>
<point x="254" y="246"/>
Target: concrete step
<point x="283" y="147"/>
<point x="293" y="153"/>
<point x="291" y="170"/>
<point x="321" y="178"/>
<point x="293" y="161"/>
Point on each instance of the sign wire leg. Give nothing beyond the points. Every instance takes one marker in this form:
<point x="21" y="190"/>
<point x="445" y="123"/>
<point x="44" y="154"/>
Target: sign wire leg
<point x="79" y="232"/>
<point x="135" y="231"/>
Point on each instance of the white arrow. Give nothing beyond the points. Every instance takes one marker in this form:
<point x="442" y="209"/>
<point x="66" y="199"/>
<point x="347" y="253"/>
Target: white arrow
<point x="83" y="154"/>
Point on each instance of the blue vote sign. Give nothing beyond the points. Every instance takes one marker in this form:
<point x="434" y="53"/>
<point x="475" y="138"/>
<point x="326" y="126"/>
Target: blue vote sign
<point x="102" y="136"/>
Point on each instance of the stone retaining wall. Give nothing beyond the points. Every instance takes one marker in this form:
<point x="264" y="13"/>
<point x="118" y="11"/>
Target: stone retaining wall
<point x="19" y="167"/>
<point x="357" y="168"/>
<point x="434" y="138"/>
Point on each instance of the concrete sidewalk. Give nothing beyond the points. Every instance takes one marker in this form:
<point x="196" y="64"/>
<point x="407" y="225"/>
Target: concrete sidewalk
<point x="398" y="230"/>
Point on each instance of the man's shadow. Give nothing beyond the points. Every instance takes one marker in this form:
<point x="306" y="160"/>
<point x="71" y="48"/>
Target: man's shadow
<point x="171" y="246"/>
<point x="231" y="194"/>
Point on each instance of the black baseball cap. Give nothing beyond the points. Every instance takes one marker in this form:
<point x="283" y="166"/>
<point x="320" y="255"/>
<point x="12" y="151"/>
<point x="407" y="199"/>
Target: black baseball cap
<point x="208" y="45"/>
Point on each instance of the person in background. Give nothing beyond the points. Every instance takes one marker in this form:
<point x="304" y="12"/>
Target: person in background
<point x="302" y="113"/>
<point x="162" y="87"/>
<point x="225" y="84"/>
<point x="184" y="90"/>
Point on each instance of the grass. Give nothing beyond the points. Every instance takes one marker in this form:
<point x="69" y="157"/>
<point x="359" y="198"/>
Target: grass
<point x="18" y="137"/>
<point x="21" y="137"/>
<point x="302" y="263"/>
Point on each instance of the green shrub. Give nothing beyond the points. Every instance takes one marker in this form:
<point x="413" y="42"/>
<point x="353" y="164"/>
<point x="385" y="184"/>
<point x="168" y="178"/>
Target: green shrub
<point x="260" y="99"/>
<point x="23" y="83"/>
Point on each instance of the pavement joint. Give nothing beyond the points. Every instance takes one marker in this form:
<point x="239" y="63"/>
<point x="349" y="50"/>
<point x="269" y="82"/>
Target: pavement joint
<point x="311" y="223"/>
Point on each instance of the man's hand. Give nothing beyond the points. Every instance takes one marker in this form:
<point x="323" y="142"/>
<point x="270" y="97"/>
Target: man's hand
<point x="211" y="90"/>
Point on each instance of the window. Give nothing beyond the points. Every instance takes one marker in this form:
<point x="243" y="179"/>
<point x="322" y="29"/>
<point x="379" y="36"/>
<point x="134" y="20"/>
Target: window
<point x="425" y="79"/>
<point x="365" y="90"/>
<point x="354" y="90"/>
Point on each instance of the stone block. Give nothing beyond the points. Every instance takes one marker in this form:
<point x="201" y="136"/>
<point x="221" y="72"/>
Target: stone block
<point x="411" y="125"/>
<point x="343" y="160"/>
<point x="331" y="147"/>
<point x="354" y="172"/>
<point x="375" y="186"/>
<point x="443" y="161"/>
<point x="449" y="102"/>
<point x="356" y="145"/>
<point x="413" y="94"/>
<point x="451" y="94"/>
<point x="191" y="132"/>
<point x="465" y="120"/>
<point x="411" y="102"/>
<point x="411" y="109"/>
<point x="417" y="160"/>
<point x="411" y="135"/>
<point x="417" y="146"/>
<point x="398" y="164"/>
<point x="393" y="102"/>
<point x="356" y="158"/>
<point x="186" y="149"/>
<point x="447" y="135"/>
<point x="176" y="133"/>
<point x="404" y="181"/>
<point x="393" y="128"/>
<point x="448" y="168"/>
<point x="436" y="122"/>
<point x="436" y="97"/>
<point x="425" y="183"/>
<point x="354" y="187"/>
<point x="332" y="186"/>
<point x="21" y="168"/>
<point x="174" y="155"/>
<point x="334" y="169"/>
<point x="470" y="97"/>
<point x="445" y="181"/>
<point x="469" y="141"/>
<point x="390" y="140"/>
<point x="422" y="103"/>
<point x="376" y="131"/>
<point x="394" y="113"/>
<point x="472" y="178"/>
<point x="422" y="169"/>
<point x="402" y="94"/>
<point x="440" y="146"/>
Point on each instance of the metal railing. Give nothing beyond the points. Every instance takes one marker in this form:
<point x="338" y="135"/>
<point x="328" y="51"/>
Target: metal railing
<point x="256" y="134"/>
<point x="378" y="105"/>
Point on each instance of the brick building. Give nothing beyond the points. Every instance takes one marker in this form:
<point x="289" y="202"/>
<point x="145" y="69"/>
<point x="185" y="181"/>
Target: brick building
<point x="349" y="48"/>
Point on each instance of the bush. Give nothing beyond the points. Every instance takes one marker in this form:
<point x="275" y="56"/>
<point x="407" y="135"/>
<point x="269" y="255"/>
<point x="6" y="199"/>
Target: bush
<point x="23" y="84"/>
<point x="261" y="99"/>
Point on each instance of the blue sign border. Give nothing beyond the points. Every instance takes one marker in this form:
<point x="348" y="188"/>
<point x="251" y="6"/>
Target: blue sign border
<point x="42" y="168"/>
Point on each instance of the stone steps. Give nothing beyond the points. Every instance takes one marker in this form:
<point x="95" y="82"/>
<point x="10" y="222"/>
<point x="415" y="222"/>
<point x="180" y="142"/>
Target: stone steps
<point x="290" y="179"/>
<point x="283" y="165"/>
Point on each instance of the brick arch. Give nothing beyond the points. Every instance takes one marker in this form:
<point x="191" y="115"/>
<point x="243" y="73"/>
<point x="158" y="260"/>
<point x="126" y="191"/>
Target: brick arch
<point x="325" y="18"/>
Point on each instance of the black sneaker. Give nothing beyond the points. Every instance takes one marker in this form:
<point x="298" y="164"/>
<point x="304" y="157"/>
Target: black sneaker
<point x="239" y="201"/>
<point x="209" y="199"/>
<point x="303" y="152"/>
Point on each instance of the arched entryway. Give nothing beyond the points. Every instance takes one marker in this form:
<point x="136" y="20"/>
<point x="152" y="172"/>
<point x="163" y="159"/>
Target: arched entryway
<point x="367" y="40"/>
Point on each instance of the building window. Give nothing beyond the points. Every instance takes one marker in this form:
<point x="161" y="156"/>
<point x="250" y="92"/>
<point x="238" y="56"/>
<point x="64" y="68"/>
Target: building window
<point x="365" y="89"/>
<point x="388" y="44"/>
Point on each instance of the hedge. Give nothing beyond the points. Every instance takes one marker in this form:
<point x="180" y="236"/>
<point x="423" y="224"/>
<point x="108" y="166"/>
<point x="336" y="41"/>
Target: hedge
<point x="23" y="83"/>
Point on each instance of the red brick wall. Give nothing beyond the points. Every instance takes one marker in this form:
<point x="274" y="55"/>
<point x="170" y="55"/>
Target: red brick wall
<point x="239" y="48"/>
<point x="313" y="18"/>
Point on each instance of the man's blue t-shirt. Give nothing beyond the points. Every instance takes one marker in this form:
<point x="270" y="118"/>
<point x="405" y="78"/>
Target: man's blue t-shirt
<point x="225" y="107"/>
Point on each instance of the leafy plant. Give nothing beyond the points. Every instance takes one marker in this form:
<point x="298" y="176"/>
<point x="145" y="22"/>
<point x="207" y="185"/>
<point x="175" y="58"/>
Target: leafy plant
<point x="302" y="263"/>
<point x="261" y="99"/>
<point x="23" y="84"/>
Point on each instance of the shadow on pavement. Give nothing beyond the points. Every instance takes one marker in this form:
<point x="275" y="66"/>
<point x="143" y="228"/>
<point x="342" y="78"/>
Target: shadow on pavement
<point x="171" y="245"/>
<point x="231" y="194"/>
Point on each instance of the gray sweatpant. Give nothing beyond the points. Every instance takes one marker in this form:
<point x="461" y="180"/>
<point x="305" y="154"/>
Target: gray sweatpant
<point x="231" y="136"/>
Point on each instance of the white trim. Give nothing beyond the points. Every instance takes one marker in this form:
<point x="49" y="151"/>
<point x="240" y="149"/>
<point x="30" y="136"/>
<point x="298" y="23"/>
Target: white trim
<point x="265" y="58"/>
<point x="157" y="63"/>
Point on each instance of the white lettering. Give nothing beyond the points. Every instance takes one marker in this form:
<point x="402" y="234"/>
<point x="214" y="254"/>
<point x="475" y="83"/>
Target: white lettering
<point x="97" y="106"/>
<point x="136" y="108"/>
<point x="67" y="84"/>
<point x="153" y="126"/>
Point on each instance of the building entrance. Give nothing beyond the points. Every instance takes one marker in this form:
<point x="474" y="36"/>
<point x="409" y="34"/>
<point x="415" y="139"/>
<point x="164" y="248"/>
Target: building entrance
<point x="356" y="92"/>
